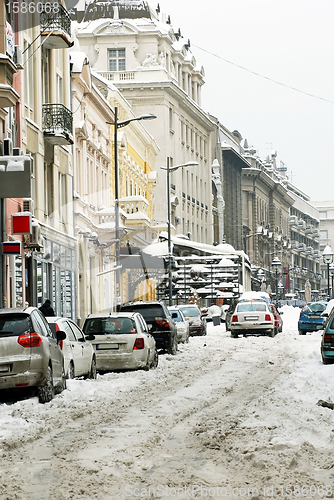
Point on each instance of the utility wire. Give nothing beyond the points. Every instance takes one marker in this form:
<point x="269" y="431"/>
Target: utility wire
<point x="264" y="77"/>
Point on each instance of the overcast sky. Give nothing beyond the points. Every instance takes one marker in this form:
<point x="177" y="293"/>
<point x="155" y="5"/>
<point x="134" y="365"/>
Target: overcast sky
<point x="289" y="41"/>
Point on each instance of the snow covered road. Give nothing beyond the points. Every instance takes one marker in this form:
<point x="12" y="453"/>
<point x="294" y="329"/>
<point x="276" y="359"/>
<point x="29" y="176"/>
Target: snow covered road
<point x="225" y="418"/>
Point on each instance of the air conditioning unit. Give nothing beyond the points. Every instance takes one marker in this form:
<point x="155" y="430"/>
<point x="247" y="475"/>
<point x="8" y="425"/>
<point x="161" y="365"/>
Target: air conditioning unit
<point x="7" y="147"/>
<point x="18" y="57"/>
<point x="36" y="240"/>
<point x="293" y="219"/>
<point x="17" y="152"/>
<point x="28" y="205"/>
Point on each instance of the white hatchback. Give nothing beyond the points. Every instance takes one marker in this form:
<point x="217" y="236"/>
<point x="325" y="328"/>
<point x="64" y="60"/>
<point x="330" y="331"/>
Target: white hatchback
<point x="182" y="325"/>
<point x="121" y="341"/>
<point x="79" y="354"/>
<point x="252" y="317"/>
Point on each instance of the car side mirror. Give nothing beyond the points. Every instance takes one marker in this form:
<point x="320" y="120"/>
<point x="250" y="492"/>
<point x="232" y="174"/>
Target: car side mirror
<point x="90" y="337"/>
<point x="60" y="335"/>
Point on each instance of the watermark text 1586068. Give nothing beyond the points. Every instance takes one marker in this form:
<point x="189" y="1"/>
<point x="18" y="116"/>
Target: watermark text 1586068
<point x="33" y="7"/>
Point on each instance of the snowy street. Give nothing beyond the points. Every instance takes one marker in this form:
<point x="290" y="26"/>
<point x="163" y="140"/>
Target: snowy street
<point x="224" y="418"/>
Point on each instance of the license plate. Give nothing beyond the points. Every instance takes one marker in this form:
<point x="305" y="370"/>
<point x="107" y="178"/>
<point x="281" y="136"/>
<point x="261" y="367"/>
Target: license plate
<point x="4" y="368"/>
<point x="100" y="347"/>
<point x="250" y="318"/>
<point x="314" y="317"/>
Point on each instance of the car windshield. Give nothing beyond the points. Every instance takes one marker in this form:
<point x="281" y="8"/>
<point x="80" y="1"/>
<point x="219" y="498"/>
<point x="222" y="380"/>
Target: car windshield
<point x="12" y="325"/>
<point x="315" y="307"/>
<point x="178" y="317"/>
<point x="148" y="311"/>
<point x="104" y="326"/>
<point x="251" y="306"/>
<point x="190" y="311"/>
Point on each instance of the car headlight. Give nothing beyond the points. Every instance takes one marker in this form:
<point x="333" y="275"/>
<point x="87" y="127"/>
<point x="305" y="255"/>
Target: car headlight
<point x="197" y="322"/>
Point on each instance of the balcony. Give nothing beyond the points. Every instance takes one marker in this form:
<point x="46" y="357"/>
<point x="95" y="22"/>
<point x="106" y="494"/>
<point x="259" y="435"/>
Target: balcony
<point x="57" y="124"/>
<point x="8" y="96"/>
<point x="55" y="26"/>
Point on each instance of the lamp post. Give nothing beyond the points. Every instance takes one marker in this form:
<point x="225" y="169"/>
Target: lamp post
<point x="261" y="277"/>
<point x="170" y="169"/>
<point x="331" y="270"/>
<point x="276" y="263"/>
<point x="328" y="256"/>
<point x="118" y="125"/>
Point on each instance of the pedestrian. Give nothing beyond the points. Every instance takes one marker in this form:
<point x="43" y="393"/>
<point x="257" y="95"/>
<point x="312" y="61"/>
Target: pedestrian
<point x="214" y="312"/>
<point x="46" y="308"/>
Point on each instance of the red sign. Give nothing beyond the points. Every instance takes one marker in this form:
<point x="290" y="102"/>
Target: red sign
<point x="11" y="247"/>
<point x="21" y="223"/>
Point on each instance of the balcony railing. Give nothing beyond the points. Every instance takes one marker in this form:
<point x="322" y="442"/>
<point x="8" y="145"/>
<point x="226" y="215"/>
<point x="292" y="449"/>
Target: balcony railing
<point x="55" y="26"/>
<point x="57" y="124"/>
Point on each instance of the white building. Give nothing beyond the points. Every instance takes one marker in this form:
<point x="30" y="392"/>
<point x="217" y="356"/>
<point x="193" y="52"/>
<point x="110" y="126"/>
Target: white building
<point x="136" y="48"/>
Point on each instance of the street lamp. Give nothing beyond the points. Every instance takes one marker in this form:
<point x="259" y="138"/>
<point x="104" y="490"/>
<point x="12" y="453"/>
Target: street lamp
<point x="327" y="256"/>
<point x="276" y="263"/>
<point x="169" y="169"/>
<point x="331" y="270"/>
<point x="118" y="125"/>
<point x="261" y="277"/>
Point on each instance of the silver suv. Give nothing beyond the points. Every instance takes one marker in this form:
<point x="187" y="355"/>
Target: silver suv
<point x="29" y="353"/>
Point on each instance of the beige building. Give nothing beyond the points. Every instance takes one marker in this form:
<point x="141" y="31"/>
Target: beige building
<point x="137" y="49"/>
<point x="326" y="237"/>
<point x="94" y="101"/>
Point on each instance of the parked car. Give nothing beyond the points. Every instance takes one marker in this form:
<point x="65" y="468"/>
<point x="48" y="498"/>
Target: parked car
<point x="121" y="341"/>
<point x="252" y="317"/>
<point x="253" y="295"/>
<point x="30" y="355"/>
<point x="182" y="325"/>
<point x="197" y="322"/>
<point x="310" y="319"/>
<point x="278" y="318"/>
<point x="79" y="354"/>
<point x="159" y="321"/>
<point x="327" y="341"/>
<point x="292" y="302"/>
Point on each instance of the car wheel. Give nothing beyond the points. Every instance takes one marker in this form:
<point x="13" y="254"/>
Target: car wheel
<point x="172" y="349"/>
<point x="326" y="361"/>
<point x="155" y="360"/>
<point x="70" y="373"/>
<point x="301" y="332"/>
<point x="61" y="387"/>
<point x="234" y="335"/>
<point x="93" y="372"/>
<point x="46" y="391"/>
<point x="272" y="333"/>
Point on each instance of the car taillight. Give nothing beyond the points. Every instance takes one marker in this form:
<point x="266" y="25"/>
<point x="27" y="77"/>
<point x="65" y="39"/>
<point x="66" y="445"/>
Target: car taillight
<point x="60" y="342"/>
<point x="328" y="339"/>
<point x="234" y="318"/>
<point x="139" y="344"/>
<point x="162" y="322"/>
<point x="30" y="340"/>
<point x="267" y="317"/>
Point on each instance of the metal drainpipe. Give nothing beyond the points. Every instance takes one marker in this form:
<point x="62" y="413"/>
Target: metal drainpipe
<point x="3" y="289"/>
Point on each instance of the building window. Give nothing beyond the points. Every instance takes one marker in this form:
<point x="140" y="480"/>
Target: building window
<point x="324" y="234"/>
<point x="116" y="59"/>
<point x="322" y="214"/>
<point x="171" y="124"/>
